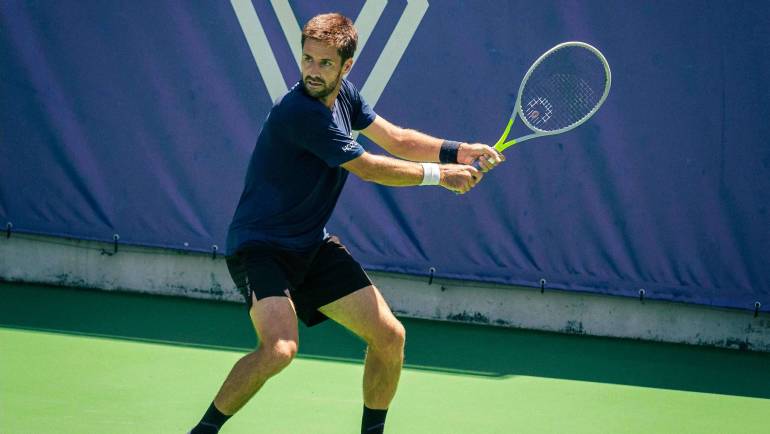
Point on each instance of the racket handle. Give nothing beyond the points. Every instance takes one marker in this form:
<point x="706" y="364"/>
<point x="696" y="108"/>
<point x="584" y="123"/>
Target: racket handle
<point x="476" y="164"/>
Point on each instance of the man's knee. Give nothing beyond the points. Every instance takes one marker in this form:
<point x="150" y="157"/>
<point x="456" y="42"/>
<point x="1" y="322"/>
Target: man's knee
<point x="391" y="338"/>
<point x="279" y="353"/>
<point x="275" y="321"/>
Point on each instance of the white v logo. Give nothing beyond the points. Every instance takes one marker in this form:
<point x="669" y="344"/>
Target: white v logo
<point x="370" y="14"/>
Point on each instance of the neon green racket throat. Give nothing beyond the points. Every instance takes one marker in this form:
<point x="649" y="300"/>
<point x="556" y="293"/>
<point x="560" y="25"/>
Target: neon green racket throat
<point x="501" y="144"/>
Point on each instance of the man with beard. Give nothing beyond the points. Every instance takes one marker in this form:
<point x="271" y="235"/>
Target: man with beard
<point x="279" y="254"/>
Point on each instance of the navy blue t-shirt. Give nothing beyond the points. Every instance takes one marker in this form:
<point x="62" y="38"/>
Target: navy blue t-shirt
<point x="294" y="179"/>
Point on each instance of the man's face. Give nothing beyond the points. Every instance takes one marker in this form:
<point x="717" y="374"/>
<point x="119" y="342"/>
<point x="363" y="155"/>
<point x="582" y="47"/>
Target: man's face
<point x="322" y="68"/>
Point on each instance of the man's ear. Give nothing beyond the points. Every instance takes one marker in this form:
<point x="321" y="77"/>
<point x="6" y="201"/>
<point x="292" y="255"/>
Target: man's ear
<point x="347" y="65"/>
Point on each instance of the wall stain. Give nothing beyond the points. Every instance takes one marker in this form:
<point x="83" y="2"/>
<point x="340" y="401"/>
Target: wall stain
<point x="467" y="317"/>
<point x="574" y="328"/>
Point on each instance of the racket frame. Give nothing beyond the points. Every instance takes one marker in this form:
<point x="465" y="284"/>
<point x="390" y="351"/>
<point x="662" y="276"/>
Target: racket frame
<point x="502" y="144"/>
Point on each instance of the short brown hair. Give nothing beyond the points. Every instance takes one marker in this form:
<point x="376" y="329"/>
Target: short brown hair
<point x="334" y="29"/>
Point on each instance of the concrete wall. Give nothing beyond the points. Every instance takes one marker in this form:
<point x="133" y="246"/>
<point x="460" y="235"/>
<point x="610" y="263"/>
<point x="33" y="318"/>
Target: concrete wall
<point x="92" y="264"/>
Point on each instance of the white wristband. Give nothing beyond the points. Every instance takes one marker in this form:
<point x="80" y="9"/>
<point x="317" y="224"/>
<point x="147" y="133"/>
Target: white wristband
<point x="431" y="174"/>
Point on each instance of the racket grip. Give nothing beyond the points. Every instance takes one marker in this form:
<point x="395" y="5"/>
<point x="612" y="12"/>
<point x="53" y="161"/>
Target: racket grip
<point x="476" y="164"/>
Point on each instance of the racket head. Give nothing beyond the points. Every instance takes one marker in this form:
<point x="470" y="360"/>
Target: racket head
<point x="563" y="88"/>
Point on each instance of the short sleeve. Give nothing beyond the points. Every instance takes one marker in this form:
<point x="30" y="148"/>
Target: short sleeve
<point x="363" y="114"/>
<point x="319" y="135"/>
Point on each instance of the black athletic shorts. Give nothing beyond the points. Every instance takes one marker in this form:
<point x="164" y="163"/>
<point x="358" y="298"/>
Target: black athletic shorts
<point x="311" y="279"/>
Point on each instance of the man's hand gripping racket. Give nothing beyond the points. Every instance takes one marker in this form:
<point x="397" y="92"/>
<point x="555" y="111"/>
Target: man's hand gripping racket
<point x="561" y="90"/>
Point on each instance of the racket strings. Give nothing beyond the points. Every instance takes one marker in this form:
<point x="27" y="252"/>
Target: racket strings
<point x="559" y="101"/>
<point x="563" y="89"/>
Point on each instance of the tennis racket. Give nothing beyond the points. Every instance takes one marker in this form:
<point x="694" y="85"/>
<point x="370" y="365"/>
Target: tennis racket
<point x="561" y="90"/>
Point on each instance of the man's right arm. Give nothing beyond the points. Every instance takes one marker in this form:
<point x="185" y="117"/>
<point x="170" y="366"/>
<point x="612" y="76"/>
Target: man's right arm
<point x="399" y="173"/>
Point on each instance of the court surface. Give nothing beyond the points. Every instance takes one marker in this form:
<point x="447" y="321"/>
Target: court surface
<point x="84" y="361"/>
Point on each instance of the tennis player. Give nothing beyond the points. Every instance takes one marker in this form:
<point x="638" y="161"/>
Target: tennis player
<point x="279" y="254"/>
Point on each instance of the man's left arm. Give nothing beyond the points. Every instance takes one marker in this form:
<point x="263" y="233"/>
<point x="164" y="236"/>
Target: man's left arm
<point x="416" y="146"/>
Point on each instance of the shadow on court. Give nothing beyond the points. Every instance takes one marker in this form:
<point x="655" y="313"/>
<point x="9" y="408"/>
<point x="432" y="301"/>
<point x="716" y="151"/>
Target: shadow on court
<point x="436" y="346"/>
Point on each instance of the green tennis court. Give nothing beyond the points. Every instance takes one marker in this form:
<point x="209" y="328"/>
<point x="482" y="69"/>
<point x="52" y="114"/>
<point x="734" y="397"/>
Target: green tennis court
<point x="82" y="361"/>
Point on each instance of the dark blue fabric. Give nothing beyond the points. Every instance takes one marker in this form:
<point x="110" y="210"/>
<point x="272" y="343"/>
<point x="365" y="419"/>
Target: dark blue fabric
<point x="294" y="179"/>
<point x="138" y="118"/>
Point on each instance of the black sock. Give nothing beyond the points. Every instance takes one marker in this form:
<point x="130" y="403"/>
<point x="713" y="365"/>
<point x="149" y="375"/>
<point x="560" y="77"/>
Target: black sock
<point x="212" y="421"/>
<point x="373" y="421"/>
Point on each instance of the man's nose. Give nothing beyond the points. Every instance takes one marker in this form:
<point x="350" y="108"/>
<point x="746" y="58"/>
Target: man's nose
<point x="312" y="70"/>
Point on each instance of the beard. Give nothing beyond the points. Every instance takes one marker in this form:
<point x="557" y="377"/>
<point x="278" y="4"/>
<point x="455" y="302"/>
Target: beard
<point x="324" y="89"/>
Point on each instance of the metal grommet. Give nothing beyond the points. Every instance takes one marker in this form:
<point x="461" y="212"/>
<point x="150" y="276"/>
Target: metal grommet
<point x="115" y="238"/>
<point x="757" y="306"/>
<point x="432" y="271"/>
<point x="642" y="293"/>
<point x="542" y="285"/>
<point x="214" y="249"/>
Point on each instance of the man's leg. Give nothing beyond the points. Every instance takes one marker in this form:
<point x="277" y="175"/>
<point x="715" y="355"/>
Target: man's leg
<point x="366" y="314"/>
<point x="275" y="322"/>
